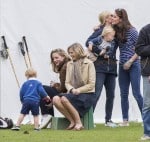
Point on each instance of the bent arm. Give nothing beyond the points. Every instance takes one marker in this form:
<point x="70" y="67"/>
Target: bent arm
<point x="90" y="81"/>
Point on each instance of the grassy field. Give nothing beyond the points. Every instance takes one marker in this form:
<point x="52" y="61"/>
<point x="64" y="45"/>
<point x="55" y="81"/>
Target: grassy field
<point x="98" y="134"/>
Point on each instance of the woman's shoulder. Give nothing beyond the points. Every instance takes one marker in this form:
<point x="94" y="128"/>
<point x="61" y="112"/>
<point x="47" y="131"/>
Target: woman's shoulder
<point x="65" y="65"/>
<point x="87" y="61"/>
<point x="132" y="29"/>
<point x="69" y="62"/>
<point x="132" y="32"/>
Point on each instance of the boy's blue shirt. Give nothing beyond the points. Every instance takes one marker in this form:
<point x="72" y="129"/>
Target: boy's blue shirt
<point x="32" y="90"/>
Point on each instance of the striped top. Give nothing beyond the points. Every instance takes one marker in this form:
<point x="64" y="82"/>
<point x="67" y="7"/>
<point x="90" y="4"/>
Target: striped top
<point x="127" y="49"/>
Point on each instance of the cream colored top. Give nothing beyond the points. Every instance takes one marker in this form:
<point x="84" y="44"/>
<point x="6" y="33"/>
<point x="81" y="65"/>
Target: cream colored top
<point x="88" y="76"/>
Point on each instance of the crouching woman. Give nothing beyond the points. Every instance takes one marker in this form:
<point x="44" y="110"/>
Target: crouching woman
<point x="80" y="84"/>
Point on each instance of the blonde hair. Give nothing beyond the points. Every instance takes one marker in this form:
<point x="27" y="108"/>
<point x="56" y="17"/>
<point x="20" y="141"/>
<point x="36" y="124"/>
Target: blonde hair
<point x="107" y="30"/>
<point x="78" y="49"/>
<point x="103" y="15"/>
<point x="62" y="53"/>
<point x="30" y="73"/>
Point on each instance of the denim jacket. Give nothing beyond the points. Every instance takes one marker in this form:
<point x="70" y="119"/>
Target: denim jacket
<point x="95" y="34"/>
<point x="102" y="64"/>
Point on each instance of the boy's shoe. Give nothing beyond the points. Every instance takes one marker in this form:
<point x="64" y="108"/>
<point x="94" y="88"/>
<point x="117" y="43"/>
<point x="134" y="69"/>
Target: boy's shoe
<point x="145" y="137"/>
<point x="124" y="124"/>
<point x="15" y="128"/>
<point x="111" y="124"/>
<point x="45" y="121"/>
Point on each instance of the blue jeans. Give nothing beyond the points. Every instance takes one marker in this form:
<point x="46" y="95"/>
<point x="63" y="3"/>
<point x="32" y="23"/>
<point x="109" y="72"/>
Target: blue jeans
<point x="146" y="105"/>
<point x="109" y="81"/>
<point x="133" y="76"/>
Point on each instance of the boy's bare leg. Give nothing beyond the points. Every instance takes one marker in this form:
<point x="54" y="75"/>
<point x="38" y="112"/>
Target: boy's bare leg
<point x="20" y="119"/>
<point x="36" y="121"/>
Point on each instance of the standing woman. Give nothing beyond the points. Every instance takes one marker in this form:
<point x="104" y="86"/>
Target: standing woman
<point x="129" y="66"/>
<point x="80" y="83"/>
<point x="106" y="70"/>
<point x="59" y="59"/>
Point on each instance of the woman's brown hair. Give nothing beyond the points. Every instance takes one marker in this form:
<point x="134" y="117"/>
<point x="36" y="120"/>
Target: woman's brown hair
<point x="122" y="27"/>
<point x="62" y="53"/>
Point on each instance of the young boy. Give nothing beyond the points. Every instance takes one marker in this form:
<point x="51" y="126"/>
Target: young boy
<point x="107" y="36"/>
<point x="30" y="94"/>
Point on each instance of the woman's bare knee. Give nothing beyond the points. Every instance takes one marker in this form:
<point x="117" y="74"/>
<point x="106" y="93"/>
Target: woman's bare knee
<point x="56" y="99"/>
<point x="64" y="100"/>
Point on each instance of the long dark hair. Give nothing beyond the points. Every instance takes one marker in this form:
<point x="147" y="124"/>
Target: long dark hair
<point x="122" y="27"/>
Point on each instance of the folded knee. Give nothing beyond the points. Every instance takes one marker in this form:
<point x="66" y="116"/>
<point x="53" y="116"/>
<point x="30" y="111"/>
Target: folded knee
<point x="64" y="99"/>
<point x="56" y="99"/>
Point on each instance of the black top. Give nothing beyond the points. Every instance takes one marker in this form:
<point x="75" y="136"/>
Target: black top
<point x="142" y="48"/>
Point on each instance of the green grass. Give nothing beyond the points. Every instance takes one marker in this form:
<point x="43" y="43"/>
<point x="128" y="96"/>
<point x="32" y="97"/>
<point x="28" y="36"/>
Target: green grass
<point x="98" y="134"/>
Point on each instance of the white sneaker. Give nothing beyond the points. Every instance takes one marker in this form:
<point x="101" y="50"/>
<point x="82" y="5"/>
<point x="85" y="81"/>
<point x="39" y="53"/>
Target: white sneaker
<point x="111" y="124"/>
<point x="45" y="121"/>
<point x="124" y="124"/>
<point x="145" y="137"/>
<point x="16" y="128"/>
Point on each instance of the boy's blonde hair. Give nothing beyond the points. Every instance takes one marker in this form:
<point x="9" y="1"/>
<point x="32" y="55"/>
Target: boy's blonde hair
<point x="107" y="30"/>
<point x="103" y="15"/>
<point x="30" y="73"/>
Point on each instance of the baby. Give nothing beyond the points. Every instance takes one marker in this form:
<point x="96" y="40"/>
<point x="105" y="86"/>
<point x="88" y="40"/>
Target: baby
<point x="107" y="35"/>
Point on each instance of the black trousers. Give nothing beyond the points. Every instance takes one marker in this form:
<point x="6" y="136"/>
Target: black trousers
<point x="51" y="92"/>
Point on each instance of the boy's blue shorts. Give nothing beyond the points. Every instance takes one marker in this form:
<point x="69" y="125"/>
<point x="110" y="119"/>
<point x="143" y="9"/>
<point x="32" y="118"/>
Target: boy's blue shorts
<point x="32" y="106"/>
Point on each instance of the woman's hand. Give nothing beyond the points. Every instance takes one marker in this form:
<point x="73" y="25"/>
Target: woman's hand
<point x="90" y="47"/>
<point x="52" y="83"/>
<point x="106" y="56"/>
<point x="75" y="91"/>
<point x="127" y="65"/>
